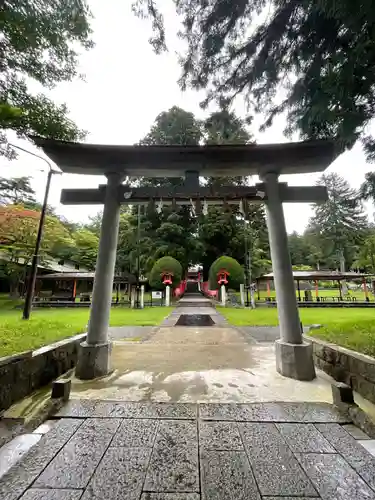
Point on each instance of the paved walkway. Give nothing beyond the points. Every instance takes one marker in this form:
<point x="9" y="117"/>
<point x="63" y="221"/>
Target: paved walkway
<point x="197" y="364"/>
<point x="155" y="451"/>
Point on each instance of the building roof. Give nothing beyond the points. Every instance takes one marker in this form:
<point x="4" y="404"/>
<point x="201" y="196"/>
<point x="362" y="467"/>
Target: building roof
<point x="174" y="161"/>
<point x="47" y="264"/>
<point x="326" y="275"/>
<point x="124" y="278"/>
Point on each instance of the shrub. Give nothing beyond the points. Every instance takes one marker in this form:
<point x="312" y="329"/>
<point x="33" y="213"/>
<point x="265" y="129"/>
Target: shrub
<point x="163" y="265"/>
<point x="232" y="266"/>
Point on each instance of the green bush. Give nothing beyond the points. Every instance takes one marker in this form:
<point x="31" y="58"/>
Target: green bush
<point x="163" y="265"/>
<point x="236" y="274"/>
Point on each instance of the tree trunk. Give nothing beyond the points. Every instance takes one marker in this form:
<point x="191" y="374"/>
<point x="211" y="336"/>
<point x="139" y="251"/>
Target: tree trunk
<point x="14" y="289"/>
<point x="344" y="286"/>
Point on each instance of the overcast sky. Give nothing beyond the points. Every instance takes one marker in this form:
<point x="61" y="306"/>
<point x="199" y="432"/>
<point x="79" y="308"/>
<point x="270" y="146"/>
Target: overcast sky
<point x="126" y="86"/>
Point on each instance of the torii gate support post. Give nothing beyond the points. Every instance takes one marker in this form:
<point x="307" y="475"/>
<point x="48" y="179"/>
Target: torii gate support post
<point x="294" y="357"/>
<point x="94" y="357"/>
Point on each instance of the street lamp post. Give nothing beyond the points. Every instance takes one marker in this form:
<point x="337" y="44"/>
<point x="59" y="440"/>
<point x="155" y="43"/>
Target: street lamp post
<point x="247" y="281"/>
<point x="35" y="259"/>
<point x="138" y="256"/>
<point x="250" y="302"/>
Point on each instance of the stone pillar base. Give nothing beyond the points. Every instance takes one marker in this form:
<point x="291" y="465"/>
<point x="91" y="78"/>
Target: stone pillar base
<point x="94" y="360"/>
<point x="295" y="360"/>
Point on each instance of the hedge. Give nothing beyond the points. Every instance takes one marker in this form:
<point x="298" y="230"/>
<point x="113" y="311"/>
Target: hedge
<point x="163" y="265"/>
<point x="236" y="274"/>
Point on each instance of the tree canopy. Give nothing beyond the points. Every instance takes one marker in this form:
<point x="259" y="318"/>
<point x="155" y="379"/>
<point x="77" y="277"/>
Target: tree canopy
<point x="16" y="190"/>
<point x="336" y="232"/>
<point x="39" y="42"/>
<point x="340" y="222"/>
<point x="235" y="272"/>
<point x="19" y="221"/>
<point x="176" y="231"/>
<point x="312" y="60"/>
<point x="165" y="265"/>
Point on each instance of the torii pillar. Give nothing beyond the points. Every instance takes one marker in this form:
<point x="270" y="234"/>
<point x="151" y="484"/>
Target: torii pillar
<point x="294" y="357"/>
<point x="94" y="357"/>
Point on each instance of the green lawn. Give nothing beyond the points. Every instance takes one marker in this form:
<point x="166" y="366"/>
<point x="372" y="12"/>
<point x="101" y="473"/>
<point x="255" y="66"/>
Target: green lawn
<point x="49" y="325"/>
<point x="334" y="292"/>
<point x="321" y="315"/>
<point x="357" y="335"/>
<point x="348" y="327"/>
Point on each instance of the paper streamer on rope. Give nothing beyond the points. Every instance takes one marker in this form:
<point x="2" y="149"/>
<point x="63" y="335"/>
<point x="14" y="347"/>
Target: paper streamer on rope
<point x="198" y="206"/>
<point x="193" y="212"/>
<point x="205" y="208"/>
<point x="241" y="208"/>
<point x="159" y="206"/>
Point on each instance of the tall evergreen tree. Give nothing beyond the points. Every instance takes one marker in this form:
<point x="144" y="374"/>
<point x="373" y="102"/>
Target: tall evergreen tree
<point x="367" y="189"/>
<point x="16" y="190"/>
<point x="172" y="231"/>
<point x="223" y="231"/>
<point x="339" y="223"/>
<point x="39" y="42"/>
<point x="312" y="60"/>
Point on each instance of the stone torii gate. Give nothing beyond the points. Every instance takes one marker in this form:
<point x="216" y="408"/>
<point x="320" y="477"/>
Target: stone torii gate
<point x="293" y="356"/>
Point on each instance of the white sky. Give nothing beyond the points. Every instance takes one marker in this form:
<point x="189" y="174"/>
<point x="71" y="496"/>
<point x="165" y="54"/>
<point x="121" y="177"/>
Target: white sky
<point x="126" y="86"/>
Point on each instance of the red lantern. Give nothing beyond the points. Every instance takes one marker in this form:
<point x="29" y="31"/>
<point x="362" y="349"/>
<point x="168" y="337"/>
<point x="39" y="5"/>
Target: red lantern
<point x="222" y="277"/>
<point x="167" y="278"/>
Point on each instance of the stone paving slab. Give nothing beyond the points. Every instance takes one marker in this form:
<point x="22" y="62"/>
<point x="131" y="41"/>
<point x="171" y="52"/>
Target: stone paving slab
<point x="114" y="458"/>
<point x="91" y="408"/>
<point x="120" y="475"/>
<point x="272" y="412"/>
<point x="11" y="452"/>
<point x="252" y="412"/>
<point x="353" y="452"/>
<point x="170" y="496"/>
<point x="227" y="476"/>
<point x="220" y="436"/>
<point x="20" y="476"/>
<point x="333" y="477"/>
<point x="304" y="438"/>
<point x="276" y="470"/>
<point x="174" y="459"/>
<point x="368" y="444"/>
<point x="136" y="433"/>
<point x="355" y="431"/>
<point x="74" y="464"/>
<point x="38" y="494"/>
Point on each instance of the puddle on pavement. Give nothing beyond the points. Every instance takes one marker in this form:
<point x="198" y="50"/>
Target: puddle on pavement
<point x="29" y="406"/>
<point x="195" y="320"/>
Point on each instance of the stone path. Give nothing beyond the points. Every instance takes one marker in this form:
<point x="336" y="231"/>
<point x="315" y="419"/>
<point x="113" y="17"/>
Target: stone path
<point x="132" y="333"/>
<point x="162" y="451"/>
<point x="197" y="364"/>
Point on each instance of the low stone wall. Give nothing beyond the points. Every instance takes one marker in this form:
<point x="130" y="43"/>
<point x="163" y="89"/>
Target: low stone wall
<point x="344" y="365"/>
<point x="21" y="374"/>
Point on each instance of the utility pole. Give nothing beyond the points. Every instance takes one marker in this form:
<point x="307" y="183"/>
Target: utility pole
<point x="35" y="260"/>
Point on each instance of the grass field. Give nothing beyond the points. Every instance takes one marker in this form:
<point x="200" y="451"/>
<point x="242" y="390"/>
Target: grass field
<point x="323" y="315"/>
<point x="49" y="325"/>
<point x="352" y="328"/>
<point x="334" y="292"/>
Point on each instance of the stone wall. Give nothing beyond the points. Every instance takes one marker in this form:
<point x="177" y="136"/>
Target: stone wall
<point x="23" y="373"/>
<point x="344" y="365"/>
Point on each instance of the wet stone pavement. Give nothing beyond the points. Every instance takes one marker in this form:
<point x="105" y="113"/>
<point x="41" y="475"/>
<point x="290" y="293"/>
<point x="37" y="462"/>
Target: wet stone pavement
<point x="167" y="451"/>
